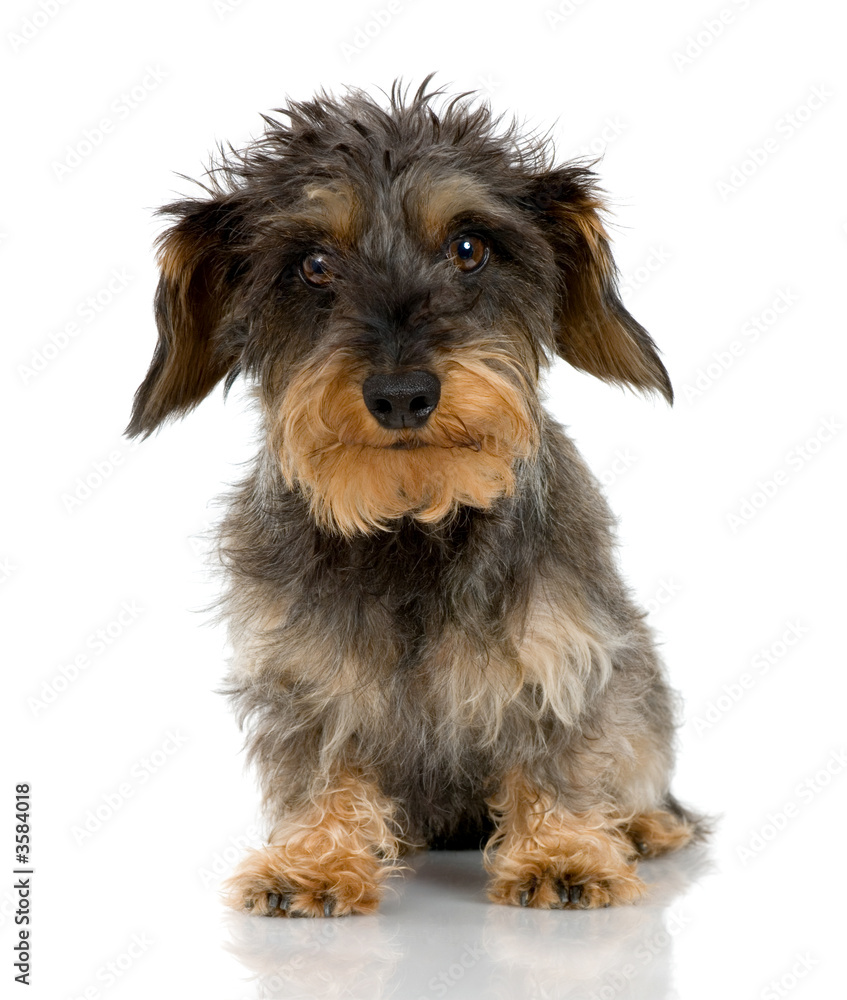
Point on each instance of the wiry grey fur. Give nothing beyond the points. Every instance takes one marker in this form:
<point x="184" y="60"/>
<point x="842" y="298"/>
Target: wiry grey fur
<point x="343" y="640"/>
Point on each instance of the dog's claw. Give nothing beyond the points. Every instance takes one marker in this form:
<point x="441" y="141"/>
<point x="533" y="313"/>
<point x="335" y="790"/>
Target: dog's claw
<point x="273" y="901"/>
<point x="249" y="904"/>
<point x="569" y="894"/>
<point x="328" y="907"/>
<point x="524" y="898"/>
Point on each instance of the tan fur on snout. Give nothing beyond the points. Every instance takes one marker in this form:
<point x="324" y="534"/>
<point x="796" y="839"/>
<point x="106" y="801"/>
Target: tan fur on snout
<point x="360" y="477"/>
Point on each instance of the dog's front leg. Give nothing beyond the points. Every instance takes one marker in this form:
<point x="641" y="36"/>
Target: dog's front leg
<point x="543" y="855"/>
<point x="328" y="857"/>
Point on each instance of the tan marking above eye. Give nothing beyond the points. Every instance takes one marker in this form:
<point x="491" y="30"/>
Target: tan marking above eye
<point x="316" y="270"/>
<point x="468" y="253"/>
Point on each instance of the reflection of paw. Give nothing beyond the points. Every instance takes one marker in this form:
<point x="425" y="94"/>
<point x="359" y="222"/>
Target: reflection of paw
<point x="561" y="882"/>
<point x="282" y="881"/>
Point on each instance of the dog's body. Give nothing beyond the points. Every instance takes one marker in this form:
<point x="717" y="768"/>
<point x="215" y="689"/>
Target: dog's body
<point x="431" y="638"/>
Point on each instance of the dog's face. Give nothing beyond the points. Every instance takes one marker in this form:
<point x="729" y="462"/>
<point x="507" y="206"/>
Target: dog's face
<point x="393" y="281"/>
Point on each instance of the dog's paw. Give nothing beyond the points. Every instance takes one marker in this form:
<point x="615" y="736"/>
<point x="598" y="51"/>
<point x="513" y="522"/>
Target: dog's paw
<point x="280" y="881"/>
<point x="659" y="832"/>
<point x="561" y="882"/>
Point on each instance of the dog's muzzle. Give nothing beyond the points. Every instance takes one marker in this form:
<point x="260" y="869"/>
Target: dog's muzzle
<point x="402" y="400"/>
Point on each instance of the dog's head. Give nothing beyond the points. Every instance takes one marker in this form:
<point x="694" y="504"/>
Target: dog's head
<point x="393" y="279"/>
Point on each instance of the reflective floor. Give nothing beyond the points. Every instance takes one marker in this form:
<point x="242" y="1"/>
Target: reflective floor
<point x="754" y="914"/>
<point x="436" y="936"/>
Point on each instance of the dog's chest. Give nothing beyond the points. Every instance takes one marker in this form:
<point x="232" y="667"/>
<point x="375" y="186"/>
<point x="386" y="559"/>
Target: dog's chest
<point x="419" y="589"/>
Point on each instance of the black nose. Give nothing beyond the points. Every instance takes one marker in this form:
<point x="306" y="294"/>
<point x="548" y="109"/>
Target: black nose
<point x="402" y="400"/>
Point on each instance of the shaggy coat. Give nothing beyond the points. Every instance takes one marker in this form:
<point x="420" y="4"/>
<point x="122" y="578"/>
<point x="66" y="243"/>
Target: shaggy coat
<point x="433" y="645"/>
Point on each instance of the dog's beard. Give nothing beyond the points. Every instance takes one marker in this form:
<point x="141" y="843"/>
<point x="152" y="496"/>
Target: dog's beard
<point x="360" y="477"/>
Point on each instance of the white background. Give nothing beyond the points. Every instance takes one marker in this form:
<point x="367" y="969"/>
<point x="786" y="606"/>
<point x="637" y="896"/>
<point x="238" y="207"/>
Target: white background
<point x="723" y="132"/>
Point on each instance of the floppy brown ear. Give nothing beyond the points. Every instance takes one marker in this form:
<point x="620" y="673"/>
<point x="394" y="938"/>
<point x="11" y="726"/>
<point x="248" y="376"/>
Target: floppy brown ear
<point x="595" y="333"/>
<point x="201" y="268"/>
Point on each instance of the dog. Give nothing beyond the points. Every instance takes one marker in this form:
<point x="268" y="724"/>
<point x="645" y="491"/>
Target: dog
<point x="432" y="643"/>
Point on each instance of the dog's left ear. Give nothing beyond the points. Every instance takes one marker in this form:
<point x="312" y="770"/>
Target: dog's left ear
<point x="594" y="331"/>
<point x="202" y="266"/>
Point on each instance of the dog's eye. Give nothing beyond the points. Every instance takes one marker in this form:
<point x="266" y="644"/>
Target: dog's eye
<point x="315" y="270"/>
<point x="468" y="253"/>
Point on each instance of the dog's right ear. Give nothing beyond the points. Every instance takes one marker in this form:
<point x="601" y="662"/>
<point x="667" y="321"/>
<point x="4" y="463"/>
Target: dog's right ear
<point x="202" y="263"/>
